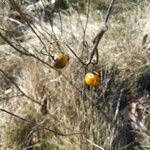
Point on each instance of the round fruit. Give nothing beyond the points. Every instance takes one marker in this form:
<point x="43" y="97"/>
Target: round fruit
<point x="92" y="78"/>
<point x="60" y="60"/>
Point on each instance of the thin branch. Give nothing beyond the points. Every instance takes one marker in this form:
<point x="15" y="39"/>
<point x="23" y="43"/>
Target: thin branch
<point x="109" y="10"/>
<point x="143" y="146"/>
<point x="25" y="18"/>
<point x="142" y="127"/>
<point x="104" y="27"/>
<point x="71" y="29"/>
<point x="144" y="40"/>
<point x="61" y="23"/>
<point x="100" y="34"/>
<point x="115" y="118"/>
<point x="87" y="19"/>
<point x="97" y="146"/>
<point x="97" y="57"/>
<point x="75" y="6"/>
<point x="23" y="94"/>
<point x="118" y="105"/>
<point x="24" y="53"/>
<point x="17" y="49"/>
<point x="74" y="53"/>
<point x="48" y="53"/>
<point x="39" y="125"/>
<point x="39" y="59"/>
<point x="4" y="98"/>
<point x="127" y="146"/>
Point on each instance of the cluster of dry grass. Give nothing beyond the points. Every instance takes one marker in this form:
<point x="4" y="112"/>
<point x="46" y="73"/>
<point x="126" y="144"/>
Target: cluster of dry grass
<point x="63" y="104"/>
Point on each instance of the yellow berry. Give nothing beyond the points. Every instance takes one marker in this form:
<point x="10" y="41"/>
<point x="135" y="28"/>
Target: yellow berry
<point x="60" y="60"/>
<point x="92" y="78"/>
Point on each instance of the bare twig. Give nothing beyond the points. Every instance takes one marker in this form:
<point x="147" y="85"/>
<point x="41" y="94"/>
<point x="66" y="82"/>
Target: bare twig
<point x="61" y="23"/>
<point x="25" y="52"/>
<point x="100" y="34"/>
<point x="104" y="25"/>
<point x="23" y="94"/>
<point x="144" y="40"/>
<point x="75" y="6"/>
<point x="74" y="53"/>
<point x="115" y="118"/>
<point x="4" y="97"/>
<point x="97" y="146"/>
<point x="87" y="19"/>
<point x="11" y="44"/>
<point x="118" y="105"/>
<point x="143" y="146"/>
<point x="127" y="146"/>
<point x="25" y="18"/>
<point x="142" y="127"/>
<point x="39" y="125"/>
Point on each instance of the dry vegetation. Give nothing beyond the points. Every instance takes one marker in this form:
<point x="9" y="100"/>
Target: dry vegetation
<point x="57" y="111"/>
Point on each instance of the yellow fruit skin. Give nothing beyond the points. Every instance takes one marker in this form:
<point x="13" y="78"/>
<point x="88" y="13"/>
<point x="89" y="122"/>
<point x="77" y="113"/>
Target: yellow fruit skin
<point x="60" y="60"/>
<point x="92" y="79"/>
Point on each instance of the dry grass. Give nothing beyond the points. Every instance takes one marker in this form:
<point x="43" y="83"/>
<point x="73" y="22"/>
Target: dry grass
<point x="122" y="59"/>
